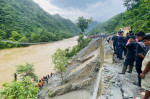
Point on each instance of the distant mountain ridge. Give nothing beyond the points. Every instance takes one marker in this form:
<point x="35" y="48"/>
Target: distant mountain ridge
<point x="26" y="18"/>
<point x="91" y="26"/>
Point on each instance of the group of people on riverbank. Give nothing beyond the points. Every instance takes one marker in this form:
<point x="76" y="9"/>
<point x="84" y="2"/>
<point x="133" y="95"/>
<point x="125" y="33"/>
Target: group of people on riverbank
<point x="44" y="80"/>
<point x="136" y="48"/>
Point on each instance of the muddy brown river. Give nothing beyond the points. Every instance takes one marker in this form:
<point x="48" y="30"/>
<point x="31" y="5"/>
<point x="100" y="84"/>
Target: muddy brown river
<point x="39" y="55"/>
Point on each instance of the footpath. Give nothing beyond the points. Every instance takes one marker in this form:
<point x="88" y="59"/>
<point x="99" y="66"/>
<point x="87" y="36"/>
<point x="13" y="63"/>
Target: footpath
<point x="114" y="85"/>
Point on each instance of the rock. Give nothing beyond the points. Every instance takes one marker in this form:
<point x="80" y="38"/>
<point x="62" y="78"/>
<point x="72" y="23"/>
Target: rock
<point x="117" y="94"/>
<point x="112" y="81"/>
<point x="86" y="58"/>
<point x="108" y="78"/>
<point x="106" y="70"/>
<point x="60" y="90"/>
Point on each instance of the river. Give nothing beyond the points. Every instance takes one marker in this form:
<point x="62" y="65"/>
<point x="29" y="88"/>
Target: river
<point x="39" y="55"/>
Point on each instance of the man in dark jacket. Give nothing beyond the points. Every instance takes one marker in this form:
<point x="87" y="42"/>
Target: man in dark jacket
<point x="115" y="42"/>
<point x="121" y="44"/>
<point x="131" y="50"/>
<point x="140" y="54"/>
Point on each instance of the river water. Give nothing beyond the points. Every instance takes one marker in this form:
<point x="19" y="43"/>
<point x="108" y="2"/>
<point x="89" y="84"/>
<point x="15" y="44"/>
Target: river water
<point x="39" y="55"/>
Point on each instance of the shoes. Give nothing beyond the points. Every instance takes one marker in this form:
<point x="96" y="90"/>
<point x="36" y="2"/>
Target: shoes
<point x="123" y="70"/>
<point x="121" y="58"/>
<point x="130" y="69"/>
<point x="135" y="83"/>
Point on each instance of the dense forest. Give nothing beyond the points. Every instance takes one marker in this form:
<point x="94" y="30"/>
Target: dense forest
<point x="136" y="16"/>
<point x="25" y="21"/>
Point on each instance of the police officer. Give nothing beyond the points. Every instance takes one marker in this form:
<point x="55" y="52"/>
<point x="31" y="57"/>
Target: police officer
<point x="115" y="42"/>
<point x="140" y="53"/>
<point x="121" y="44"/>
<point x="131" y="50"/>
<point x="126" y="40"/>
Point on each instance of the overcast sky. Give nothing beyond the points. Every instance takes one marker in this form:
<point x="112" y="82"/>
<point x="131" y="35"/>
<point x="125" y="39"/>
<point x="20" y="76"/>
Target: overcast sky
<point x="99" y="10"/>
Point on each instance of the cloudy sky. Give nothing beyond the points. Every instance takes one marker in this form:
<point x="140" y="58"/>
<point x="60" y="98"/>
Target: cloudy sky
<point x="99" y="10"/>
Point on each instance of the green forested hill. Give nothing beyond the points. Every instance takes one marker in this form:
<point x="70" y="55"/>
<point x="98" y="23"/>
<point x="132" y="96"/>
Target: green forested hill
<point x="25" y="21"/>
<point x="138" y="17"/>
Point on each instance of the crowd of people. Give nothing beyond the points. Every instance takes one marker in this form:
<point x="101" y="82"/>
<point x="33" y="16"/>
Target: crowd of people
<point x="136" y="48"/>
<point x="43" y="80"/>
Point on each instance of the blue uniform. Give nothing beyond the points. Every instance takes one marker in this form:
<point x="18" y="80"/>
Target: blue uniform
<point x="121" y="44"/>
<point x="126" y="40"/>
<point x="115" y="43"/>
<point x="139" y="60"/>
<point x="131" y="51"/>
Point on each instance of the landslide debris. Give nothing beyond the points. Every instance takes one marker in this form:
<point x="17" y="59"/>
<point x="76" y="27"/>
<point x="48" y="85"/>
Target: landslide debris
<point x="81" y="75"/>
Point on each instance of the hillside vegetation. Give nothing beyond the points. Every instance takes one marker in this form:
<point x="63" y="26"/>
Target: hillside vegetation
<point x="25" y="21"/>
<point x="137" y="17"/>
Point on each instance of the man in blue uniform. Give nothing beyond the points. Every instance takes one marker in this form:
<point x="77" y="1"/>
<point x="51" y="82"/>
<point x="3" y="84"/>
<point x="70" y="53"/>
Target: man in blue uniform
<point x="120" y="45"/>
<point x="117" y="48"/>
<point x="115" y="42"/>
<point x="131" y="50"/>
<point x="126" y="40"/>
<point x="140" y="54"/>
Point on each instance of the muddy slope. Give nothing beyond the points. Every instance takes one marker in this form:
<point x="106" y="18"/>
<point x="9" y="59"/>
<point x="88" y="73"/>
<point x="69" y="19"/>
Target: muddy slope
<point x="81" y="75"/>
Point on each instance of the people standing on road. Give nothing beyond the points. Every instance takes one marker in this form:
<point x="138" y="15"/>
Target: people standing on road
<point x="115" y="42"/>
<point x="130" y="58"/>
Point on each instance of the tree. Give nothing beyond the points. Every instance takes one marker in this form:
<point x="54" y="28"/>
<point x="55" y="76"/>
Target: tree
<point x="83" y="23"/>
<point x="26" y="70"/>
<point x="60" y="60"/>
<point x="23" y="39"/>
<point x="80" y="38"/>
<point x="35" y="37"/>
<point x="15" y="35"/>
<point x="19" y="90"/>
<point x="130" y="3"/>
<point x="98" y="30"/>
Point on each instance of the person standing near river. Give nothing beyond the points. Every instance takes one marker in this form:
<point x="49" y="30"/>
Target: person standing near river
<point x="15" y="76"/>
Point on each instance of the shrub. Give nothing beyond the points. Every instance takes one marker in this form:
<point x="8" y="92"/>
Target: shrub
<point x="77" y="48"/>
<point x="50" y="94"/>
<point x="19" y="90"/>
